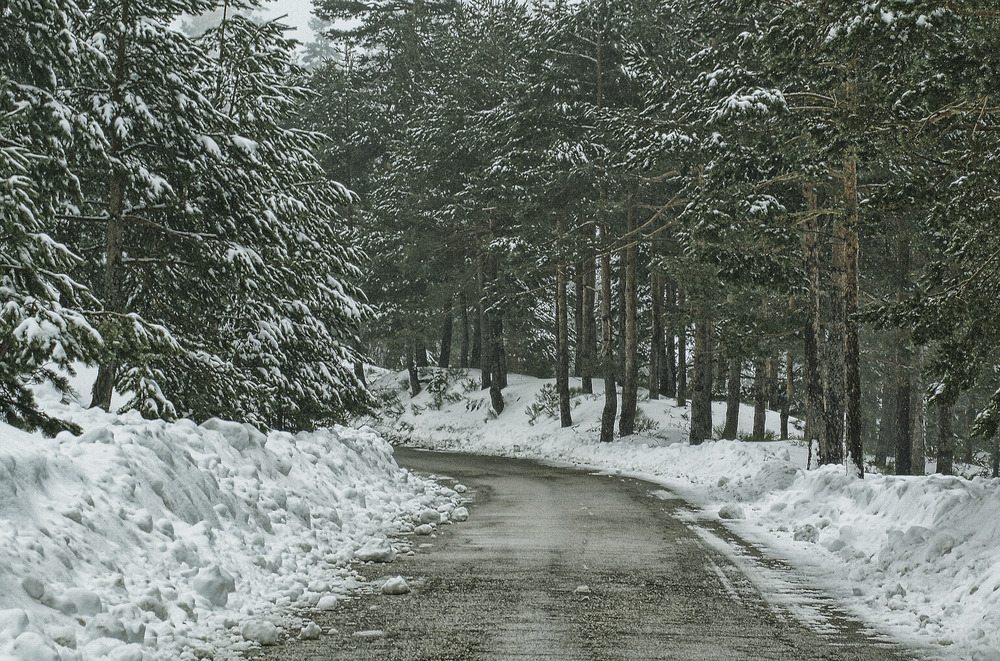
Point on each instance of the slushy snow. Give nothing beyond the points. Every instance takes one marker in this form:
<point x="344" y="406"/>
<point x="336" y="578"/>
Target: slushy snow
<point x="143" y="540"/>
<point x="914" y="556"/>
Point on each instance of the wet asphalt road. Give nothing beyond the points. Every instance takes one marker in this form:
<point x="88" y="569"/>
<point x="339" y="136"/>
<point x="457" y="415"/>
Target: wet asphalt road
<point x="508" y="584"/>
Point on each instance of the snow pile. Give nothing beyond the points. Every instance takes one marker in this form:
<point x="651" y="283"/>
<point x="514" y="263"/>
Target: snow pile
<point x="144" y="540"/>
<point x="914" y="555"/>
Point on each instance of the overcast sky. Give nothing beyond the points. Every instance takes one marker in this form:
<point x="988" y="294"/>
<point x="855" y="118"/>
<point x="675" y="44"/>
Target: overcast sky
<point x="299" y="13"/>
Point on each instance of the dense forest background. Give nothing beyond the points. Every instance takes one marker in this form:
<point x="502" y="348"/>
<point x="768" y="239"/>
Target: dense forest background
<point x="790" y="204"/>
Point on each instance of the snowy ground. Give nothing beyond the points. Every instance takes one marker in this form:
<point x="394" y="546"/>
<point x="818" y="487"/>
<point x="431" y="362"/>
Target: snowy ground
<point x="143" y="540"/>
<point x="916" y="556"/>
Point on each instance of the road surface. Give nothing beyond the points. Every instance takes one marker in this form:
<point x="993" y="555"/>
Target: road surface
<point x="557" y="564"/>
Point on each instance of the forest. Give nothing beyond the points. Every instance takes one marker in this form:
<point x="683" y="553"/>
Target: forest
<point x="789" y="204"/>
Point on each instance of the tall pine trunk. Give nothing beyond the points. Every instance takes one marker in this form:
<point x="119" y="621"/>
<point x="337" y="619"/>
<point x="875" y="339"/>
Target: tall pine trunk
<point x="413" y="373"/>
<point x="759" y="398"/>
<point x="786" y="403"/>
<point x="656" y="335"/>
<point x="562" y="336"/>
<point x="589" y="340"/>
<point x="946" y="440"/>
<point x="886" y="442"/>
<point x="852" y="351"/>
<point x="815" y="426"/>
<point x="463" y="312"/>
<point x="630" y="379"/>
<point x="835" y="347"/>
<point x="668" y="382"/>
<point x="918" y="407"/>
<point x="681" y="350"/>
<point x="447" y="329"/>
<point x="701" y="390"/>
<point x="607" y="347"/>
<point x="578" y="286"/>
<point x="733" y="387"/>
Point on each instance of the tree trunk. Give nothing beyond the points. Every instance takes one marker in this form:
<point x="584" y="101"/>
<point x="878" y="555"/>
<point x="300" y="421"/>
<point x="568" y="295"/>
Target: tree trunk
<point x="759" y="398"/>
<point x="946" y="440"/>
<point x="359" y="371"/>
<point x="630" y="379"/>
<point x="733" y="389"/>
<point x="904" y="357"/>
<point x="815" y="427"/>
<point x="887" y="437"/>
<point x="620" y="325"/>
<point x="786" y="403"/>
<point x="918" y="457"/>
<point x="995" y="457"/>
<point x="562" y="337"/>
<point x="681" y="351"/>
<point x="411" y="369"/>
<point x="701" y="390"/>
<point x="421" y="355"/>
<point x="656" y="334"/>
<point x="852" y="351"/>
<point x="668" y="382"/>
<point x="463" y="312"/>
<point x="447" y="329"/>
<point x="607" y="347"/>
<point x="835" y="355"/>
<point x="578" y="286"/>
<point x="721" y="381"/>
<point x="589" y="321"/>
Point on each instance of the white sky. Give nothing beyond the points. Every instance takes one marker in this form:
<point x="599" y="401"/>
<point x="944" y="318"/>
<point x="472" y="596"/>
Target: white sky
<point x="298" y="14"/>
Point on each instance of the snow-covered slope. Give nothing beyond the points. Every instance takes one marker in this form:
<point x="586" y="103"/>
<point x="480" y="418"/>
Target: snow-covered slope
<point x="144" y="540"/>
<point x="915" y="555"/>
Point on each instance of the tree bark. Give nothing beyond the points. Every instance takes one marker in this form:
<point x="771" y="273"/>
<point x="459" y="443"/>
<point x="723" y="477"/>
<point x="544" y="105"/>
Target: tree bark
<point x="562" y="337"/>
<point x="656" y="333"/>
<point x="946" y="440"/>
<point x="630" y="379"/>
<point x="852" y="365"/>
<point x="447" y="329"/>
<point x="887" y="436"/>
<point x="759" y="398"/>
<point x="835" y="354"/>
<point x="463" y="311"/>
<point x="607" y="347"/>
<point x="815" y="426"/>
<point x="411" y="369"/>
<point x="668" y="382"/>
<point x="786" y="403"/>
<point x="578" y="286"/>
<point x="904" y="357"/>
<point x="701" y="390"/>
<point x="733" y="398"/>
<point x="681" y="351"/>
<point x="918" y="456"/>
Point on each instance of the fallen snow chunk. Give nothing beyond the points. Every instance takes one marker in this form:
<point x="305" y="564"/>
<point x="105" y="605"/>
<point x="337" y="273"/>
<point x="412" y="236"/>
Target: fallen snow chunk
<point x="371" y="633"/>
<point x="461" y="488"/>
<point x="731" y="511"/>
<point x="425" y="529"/>
<point x="396" y="585"/>
<point x="84" y="602"/>
<point x="460" y="514"/>
<point x="327" y="603"/>
<point x="106" y="625"/>
<point x="260" y="631"/>
<point x="13" y="622"/>
<point x="430" y="516"/>
<point x="30" y="646"/>
<point x="234" y="432"/>
<point x="376" y="550"/>
<point x="215" y="584"/>
<point x="311" y="631"/>
<point x="582" y="589"/>
<point x="33" y="587"/>
<point x="806" y="533"/>
<point x="895" y="590"/>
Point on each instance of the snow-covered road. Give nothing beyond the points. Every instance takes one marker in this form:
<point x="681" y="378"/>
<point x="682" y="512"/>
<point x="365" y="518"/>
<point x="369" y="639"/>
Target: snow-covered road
<point x="562" y="564"/>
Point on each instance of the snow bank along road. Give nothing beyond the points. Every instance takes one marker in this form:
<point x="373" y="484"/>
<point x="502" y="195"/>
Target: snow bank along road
<point x="561" y="564"/>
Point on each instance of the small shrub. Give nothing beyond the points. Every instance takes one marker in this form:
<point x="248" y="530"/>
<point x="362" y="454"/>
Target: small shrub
<point x="768" y="436"/>
<point x="546" y="403"/>
<point x="643" y="423"/>
<point x="439" y="386"/>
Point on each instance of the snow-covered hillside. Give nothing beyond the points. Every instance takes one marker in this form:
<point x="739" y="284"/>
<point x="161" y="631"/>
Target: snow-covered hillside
<point x="143" y="540"/>
<point x="915" y="555"/>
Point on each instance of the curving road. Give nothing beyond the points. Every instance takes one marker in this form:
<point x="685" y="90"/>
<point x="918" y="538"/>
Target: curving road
<point x="561" y="564"/>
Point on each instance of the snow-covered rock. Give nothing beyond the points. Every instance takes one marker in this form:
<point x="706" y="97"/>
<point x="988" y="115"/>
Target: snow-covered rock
<point x="396" y="586"/>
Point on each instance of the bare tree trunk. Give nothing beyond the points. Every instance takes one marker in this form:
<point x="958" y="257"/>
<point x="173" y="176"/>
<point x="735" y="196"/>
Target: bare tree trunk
<point x="578" y="286"/>
<point x="359" y="371"/>
<point x="815" y="426"/>
<point x="464" y="328"/>
<point x="995" y="456"/>
<point x="562" y="338"/>
<point x="759" y="398"/>
<point x="447" y="329"/>
<point x="887" y="437"/>
<point x="668" y="381"/>
<point x="904" y="357"/>
<point x="681" y="351"/>
<point x="786" y="403"/>
<point x="411" y="369"/>
<point x="656" y="336"/>
<point x="852" y="365"/>
<point x="946" y="440"/>
<point x="630" y="380"/>
<point x="701" y="391"/>
<point x="733" y="398"/>
<point x="918" y="457"/>
<point x="835" y="352"/>
<point x="589" y="320"/>
<point x="607" y="348"/>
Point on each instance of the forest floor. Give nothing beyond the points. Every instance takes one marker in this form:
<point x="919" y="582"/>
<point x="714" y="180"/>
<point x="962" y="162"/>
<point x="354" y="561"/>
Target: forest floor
<point x="913" y="556"/>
